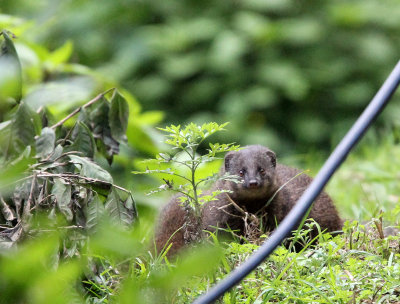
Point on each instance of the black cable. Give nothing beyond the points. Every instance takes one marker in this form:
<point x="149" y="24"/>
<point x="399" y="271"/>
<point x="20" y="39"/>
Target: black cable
<point x="296" y="214"/>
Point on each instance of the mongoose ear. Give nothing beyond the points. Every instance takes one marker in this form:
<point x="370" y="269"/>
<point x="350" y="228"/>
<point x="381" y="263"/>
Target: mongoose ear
<point x="272" y="156"/>
<point x="228" y="158"/>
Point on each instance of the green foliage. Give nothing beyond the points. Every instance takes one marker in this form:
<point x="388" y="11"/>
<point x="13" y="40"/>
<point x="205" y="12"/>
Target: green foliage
<point x="285" y="74"/>
<point x="185" y="143"/>
<point x="68" y="233"/>
<point x="366" y="183"/>
<point x="11" y="77"/>
<point x="266" y="66"/>
<point x="331" y="272"/>
<point x="56" y="185"/>
<point x="62" y="175"/>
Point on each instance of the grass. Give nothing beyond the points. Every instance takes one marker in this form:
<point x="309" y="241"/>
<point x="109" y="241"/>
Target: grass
<point x="331" y="272"/>
<point x="368" y="182"/>
<point x="359" y="266"/>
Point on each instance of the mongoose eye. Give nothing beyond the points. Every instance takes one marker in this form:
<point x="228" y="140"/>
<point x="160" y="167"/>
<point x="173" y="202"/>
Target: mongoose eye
<point x="241" y="173"/>
<point x="262" y="171"/>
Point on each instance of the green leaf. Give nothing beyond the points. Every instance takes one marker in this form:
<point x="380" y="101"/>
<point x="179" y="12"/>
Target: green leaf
<point x="99" y="123"/>
<point x="62" y="54"/>
<point x="5" y="136"/>
<point x="57" y="153"/>
<point x="90" y="169"/>
<point x="10" y="70"/>
<point x="26" y="125"/>
<point x="4" y="125"/>
<point x="117" y="209"/>
<point x="83" y="140"/>
<point x="99" y="116"/>
<point x="118" y="116"/>
<point x="12" y="172"/>
<point x="45" y="142"/>
<point x="62" y="195"/>
<point x="94" y="212"/>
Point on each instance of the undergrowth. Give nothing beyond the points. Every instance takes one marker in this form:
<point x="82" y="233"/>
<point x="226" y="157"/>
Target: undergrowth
<point x="362" y="265"/>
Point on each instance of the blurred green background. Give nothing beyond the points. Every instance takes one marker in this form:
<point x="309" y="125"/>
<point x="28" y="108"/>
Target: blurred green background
<point x="292" y="75"/>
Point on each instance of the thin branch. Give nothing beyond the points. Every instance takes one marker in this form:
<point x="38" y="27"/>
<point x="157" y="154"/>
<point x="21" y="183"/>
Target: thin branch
<point x="65" y="227"/>
<point x="98" y="97"/>
<point x="181" y="176"/>
<point x="203" y="180"/>
<point x="184" y="193"/>
<point x="259" y="212"/>
<point x="40" y="109"/>
<point x="232" y="202"/>
<point x="76" y="176"/>
<point x="29" y="203"/>
<point x="181" y="163"/>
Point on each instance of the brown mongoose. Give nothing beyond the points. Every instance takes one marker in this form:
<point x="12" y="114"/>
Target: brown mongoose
<point x="260" y="178"/>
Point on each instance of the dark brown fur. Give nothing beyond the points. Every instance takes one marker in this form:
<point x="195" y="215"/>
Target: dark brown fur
<point x="175" y="226"/>
<point x="261" y="177"/>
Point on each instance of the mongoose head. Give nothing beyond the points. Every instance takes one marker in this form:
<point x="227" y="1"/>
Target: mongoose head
<point x="255" y="166"/>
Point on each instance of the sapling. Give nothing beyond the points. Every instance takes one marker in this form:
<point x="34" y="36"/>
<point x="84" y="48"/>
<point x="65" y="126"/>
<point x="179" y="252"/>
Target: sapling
<point x="183" y="163"/>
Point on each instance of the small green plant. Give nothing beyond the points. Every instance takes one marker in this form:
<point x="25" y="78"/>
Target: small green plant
<point x="184" y="162"/>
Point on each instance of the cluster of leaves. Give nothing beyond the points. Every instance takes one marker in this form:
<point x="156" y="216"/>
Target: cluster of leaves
<point x="334" y="271"/>
<point x="285" y="75"/>
<point x="185" y="142"/>
<point x="55" y="171"/>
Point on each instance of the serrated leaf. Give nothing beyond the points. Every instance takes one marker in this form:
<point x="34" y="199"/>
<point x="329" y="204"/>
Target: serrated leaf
<point x="90" y="169"/>
<point x="94" y="212"/>
<point x="45" y="142"/>
<point x="118" y="116"/>
<point x="83" y="140"/>
<point x="62" y="195"/>
<point x="117" y="210"/>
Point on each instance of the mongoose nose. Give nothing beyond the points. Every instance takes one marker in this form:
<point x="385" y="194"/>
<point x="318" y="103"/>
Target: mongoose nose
<point x="253" y="183"/>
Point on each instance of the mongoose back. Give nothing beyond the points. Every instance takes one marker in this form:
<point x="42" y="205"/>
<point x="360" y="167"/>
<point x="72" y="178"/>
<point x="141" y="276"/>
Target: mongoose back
<point x="260" y="178"/>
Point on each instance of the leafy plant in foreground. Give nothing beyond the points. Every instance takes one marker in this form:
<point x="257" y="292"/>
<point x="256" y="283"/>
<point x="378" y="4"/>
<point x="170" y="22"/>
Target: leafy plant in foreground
<point x="55" y="169"/>
<point x="54" y="193"/>
<point x="185" y="142"/>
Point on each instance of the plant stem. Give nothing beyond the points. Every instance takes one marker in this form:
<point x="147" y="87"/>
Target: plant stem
<point x="193" y="182"/>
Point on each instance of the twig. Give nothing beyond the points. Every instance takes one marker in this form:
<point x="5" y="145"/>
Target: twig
<point x="349" y="275"/>
<point x="232" y="202"/>
<point x="65" y="227"/>
<point x="98" y="97"/>
<point x="279" y="189"/>
<point x="76" y="176"/>
<point x="27" y="207"/>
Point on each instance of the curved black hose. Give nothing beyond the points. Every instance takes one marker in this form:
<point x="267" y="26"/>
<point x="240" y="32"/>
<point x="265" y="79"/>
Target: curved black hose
<point x="296" y="214"/>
